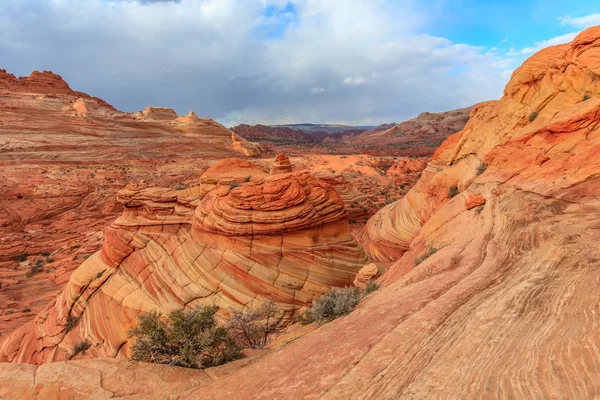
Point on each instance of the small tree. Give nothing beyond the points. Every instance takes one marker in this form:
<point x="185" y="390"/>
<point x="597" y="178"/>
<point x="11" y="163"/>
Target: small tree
<point x="253" y="327"/>
<point x="187" y="338"/>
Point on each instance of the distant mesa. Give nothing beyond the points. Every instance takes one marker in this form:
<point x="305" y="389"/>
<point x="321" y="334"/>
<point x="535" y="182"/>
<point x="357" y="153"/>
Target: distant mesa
<point x="159" y="113"/>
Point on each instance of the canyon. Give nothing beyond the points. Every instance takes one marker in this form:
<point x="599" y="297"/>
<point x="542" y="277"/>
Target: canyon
<point x="487" y="256"/>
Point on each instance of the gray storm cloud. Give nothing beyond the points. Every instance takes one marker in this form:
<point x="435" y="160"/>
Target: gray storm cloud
<point x="253" y="61"/>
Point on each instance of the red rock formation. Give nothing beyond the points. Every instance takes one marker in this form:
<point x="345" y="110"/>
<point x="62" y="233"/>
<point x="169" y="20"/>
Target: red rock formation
<point x="474" y="201"/>
<point x="284" y="237"/>
<point x="281" y="165"/>
<point x="358" y="206"/>
<point x="63" y="157"/>
<point x="232" y="170"/>
<point x="367" y="273"/>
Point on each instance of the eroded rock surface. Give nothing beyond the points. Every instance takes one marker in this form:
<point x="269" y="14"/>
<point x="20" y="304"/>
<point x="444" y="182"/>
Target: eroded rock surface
<point x="284" y="237"/>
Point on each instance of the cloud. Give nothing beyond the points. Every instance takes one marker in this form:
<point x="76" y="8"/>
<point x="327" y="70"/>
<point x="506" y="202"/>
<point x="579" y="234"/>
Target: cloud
<point x="252" y="61"/>
<point x="581" y="22"/>
<point x="357" y="80"/>
<point x="562" y="39"/>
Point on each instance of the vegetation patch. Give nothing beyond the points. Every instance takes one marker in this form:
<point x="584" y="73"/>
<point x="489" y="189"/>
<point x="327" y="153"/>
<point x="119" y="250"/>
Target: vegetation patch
<point x="333" y="304"/>
<point x="80" y="347"/>
<point x="429" y="251"/>
<point x="533" y="116"/>
<point x="71" y="323"/>
<point x="371" y="287"/>
<point x="452" y="191"/>
<point x="481" y="169"/>
<point x="186" y="338"/>
<point x="254" y="327"/>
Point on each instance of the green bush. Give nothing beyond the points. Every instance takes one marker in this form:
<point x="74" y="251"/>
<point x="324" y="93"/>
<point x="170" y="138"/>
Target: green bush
<point x="370" y="287"/>
<point x="333" y="304"/>
<point x="233" y="185"/>
<point x="253" y="327"/>
<point x="80" y="347"/>
<point x="22" y="257"/>
<point x="431" y="250"/>
<point x="533" y="116"/>
<point x="191" y="339"/>
<point x="452" y="191"/>
<point x="71" y="323"/>
<point x="35" y="268"/>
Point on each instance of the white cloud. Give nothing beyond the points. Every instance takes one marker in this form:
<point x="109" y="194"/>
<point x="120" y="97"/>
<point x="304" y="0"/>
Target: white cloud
<point x="227" y="60"/>
<point x="562" y="39"/>
<point x="581" y="22"/>
<point x="353" y="81"/>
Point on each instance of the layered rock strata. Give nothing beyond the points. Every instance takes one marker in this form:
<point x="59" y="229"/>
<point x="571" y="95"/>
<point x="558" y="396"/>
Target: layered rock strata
<point x="284" y="238"/>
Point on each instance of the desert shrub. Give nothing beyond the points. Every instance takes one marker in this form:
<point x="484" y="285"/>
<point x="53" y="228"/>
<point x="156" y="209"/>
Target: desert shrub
<point x="45" y="253"/>
<point x="99" y="275"/>
<point x="429" y="251"/>
<point x="35" y="268"/>
<point x="233" y="185"/>
<point x="481" y="169"/>
<point x="22" y="257"/>
<point x="533" y="116"/>
<point x="370" y="287"/>
<point x="253" y="327"/>
<point x="191" y="339"/>
<point x="586" y="97"/>
<point x="71" y="323"/>
<point x="333" y="304"/>
<point x="452" y="191"/>
<point x="80" y="347"/>
<point x="26" y="309"/>
<point x="247" y="179"/>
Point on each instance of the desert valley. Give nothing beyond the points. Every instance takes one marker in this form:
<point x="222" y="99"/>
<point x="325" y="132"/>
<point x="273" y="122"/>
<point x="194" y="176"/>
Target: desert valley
<point x="476" y="227"/>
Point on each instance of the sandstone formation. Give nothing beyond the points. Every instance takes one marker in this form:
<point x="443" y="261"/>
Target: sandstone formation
<point x="159" y="113"/>
<point x="284" y="237"/>
<point x="232" y="170"/>
<point x="367" y="273"/>
<point x="497" y="301"/>
<point x="507" y="305"/>
<point x="282" y="165"/>
<point x="246" y="148"/>
<point x="358" y="205"/>
<point x="63" y="157"/>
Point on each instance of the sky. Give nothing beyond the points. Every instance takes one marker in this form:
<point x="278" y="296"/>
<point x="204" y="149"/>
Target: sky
<point x="355" y="62"/>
